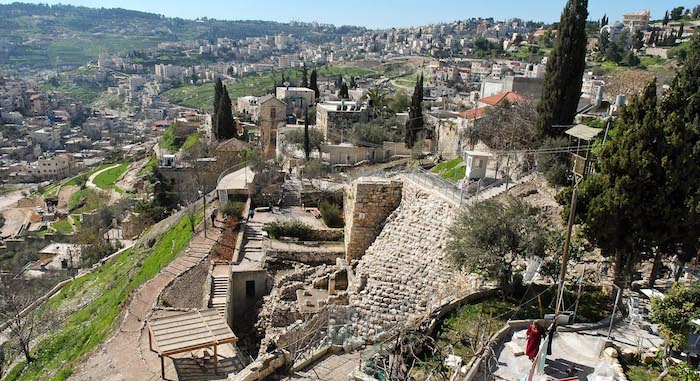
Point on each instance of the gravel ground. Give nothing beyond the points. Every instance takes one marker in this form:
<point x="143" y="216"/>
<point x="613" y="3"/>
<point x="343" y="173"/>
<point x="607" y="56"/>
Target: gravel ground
<point x="188" y="290"/>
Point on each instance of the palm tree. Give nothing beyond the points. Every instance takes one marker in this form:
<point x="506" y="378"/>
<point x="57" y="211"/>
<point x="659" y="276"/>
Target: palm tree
<point x="377" y="99"/>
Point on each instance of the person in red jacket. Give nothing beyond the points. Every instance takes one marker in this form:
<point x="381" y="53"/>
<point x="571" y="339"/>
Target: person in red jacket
<point x="534" y="334"/>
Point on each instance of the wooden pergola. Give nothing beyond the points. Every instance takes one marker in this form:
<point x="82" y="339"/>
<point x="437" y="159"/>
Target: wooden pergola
<point x="183" y="332"/>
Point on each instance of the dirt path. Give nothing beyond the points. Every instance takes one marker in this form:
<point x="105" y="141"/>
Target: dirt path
<point x="10" y="200"/>
<point x="64" y="197"/>
<point x="126" y="355"/>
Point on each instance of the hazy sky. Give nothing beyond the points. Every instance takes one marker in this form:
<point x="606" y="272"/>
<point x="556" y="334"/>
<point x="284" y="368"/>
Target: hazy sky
<point x="378" y="13"/>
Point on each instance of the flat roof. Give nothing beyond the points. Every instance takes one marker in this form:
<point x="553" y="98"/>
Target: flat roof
<point x="583" y="132"/>
<point x="478" y="153"/>
<point x="238" y="180"/>
<point x="185" y="331"/>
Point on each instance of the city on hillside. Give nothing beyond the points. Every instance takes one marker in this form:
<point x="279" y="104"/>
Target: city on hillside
<point x="198" y="198"/>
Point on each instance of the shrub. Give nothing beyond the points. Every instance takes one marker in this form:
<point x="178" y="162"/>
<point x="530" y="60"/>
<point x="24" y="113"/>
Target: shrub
<point x="233" y="209"/>
<point x="292" y="228"/>
<point x="331" y="215"/>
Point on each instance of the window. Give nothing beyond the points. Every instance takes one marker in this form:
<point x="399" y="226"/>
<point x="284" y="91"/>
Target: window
<point x="480" y="163"/>
<point x="273" y="113"/>
<point x="250" y="288"/>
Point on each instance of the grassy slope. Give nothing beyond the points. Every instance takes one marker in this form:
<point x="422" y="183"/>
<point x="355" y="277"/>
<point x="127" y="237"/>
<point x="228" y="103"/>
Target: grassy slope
<point x="451" y="170"/>
<point x="84" y="329"/>
<point x="63" y="226"/>
<point x="93" y="200"/>
<point x="106" y="179"/>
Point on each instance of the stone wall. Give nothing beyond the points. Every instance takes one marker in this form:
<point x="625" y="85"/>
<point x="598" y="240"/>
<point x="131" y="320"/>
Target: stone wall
<point x="367" y="205"/>
<point x="404" y="274"/>
<point x="311" y="257"/>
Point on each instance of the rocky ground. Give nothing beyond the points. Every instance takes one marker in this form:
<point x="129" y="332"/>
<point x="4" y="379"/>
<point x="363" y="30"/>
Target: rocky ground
<point x="188" y="290"/>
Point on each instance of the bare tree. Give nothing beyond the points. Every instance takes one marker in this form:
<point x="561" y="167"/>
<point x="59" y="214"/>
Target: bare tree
<point x="191" y="213"/>
<point x="22" y="327"/>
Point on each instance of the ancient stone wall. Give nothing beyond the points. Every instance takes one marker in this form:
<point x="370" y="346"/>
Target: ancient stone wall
<point x="367" y="205"/>
<point x="404" y="274"/>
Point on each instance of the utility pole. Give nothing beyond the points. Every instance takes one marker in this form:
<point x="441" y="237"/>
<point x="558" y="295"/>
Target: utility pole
<point x="565" y="257"/>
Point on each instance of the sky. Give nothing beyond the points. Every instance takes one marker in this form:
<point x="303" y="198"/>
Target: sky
<point x="378" y="13"/>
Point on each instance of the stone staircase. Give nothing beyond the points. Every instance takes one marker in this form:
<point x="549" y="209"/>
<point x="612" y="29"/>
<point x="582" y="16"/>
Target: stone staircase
<point x="291" y="192"/>
<point x="220" y="284"/>
<point x="253" y="240"/>
<point x="198" y="249"/>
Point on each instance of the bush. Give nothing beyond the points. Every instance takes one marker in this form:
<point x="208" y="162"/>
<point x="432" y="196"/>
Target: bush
<point x="331" y="215"/>
<point x="233" y="209"/>
<point x="555" y="166"/>
<point x="292" y="228"/>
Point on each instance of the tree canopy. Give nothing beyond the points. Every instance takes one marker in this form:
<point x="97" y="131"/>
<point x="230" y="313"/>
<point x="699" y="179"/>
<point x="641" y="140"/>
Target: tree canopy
<point x="490" y="237"/>
<point x="675" y="311"/>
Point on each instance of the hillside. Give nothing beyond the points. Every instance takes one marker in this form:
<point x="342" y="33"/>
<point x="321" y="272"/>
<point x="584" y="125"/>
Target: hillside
<point x="37" y="36"/>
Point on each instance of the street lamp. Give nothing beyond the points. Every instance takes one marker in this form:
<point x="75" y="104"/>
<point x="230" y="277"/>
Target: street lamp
<point x="204" y="219"/>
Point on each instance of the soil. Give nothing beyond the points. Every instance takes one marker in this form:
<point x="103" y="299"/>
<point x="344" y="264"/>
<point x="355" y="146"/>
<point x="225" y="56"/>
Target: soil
<point x="188" y="290"/>
<point x="224" y="250"/>
<point x="64" y="196"/>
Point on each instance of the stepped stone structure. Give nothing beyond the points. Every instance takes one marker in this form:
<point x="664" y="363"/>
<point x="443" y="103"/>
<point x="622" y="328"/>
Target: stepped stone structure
<point x="404" y="273"/>
<point x="368" y="202"/>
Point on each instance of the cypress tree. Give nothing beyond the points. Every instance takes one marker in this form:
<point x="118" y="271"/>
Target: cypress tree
<point x="622" y="203"/>
<point x="339" y="82"/>
<point x="225" y="123"/>
<point x="343" y="94"/>
<point x="313" y="83"/>
<point x="218" y="92"/>
<point x="665" y="20"/>
<point x="680" y="109"/>
<point x="414" y="124"/>
<point x="561" y="89"/>
<point x="304" y="76"/>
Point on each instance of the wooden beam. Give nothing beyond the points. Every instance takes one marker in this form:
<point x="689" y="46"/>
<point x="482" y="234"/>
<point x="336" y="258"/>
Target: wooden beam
<point x="162" y="367"/>
<point x="216" y="360"/>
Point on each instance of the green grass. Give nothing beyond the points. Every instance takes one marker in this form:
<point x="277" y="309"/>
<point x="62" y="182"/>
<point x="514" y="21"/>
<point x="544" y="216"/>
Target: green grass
<point x="152" y="163"/>
<point x="77" y="222"/>
<point x="640" y="373"/>
<point x="84" y="329"/>
<point x="106" y="179"/>
<point x="63" y="226"/>
<point x="73" y="180"/>
<point x="258" y="84"/>
<point x="86" y="200"/>
<point x="609" y="66"/>
<point x="191" y="141"/>
<point x="652" y="61"/>
<point x="451" y="170"/>
<point x="459" y="327"/>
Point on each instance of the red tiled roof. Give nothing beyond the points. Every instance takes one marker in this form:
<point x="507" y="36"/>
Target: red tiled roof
<point x="495" y="99"/>
<point x="473" y="113"/>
